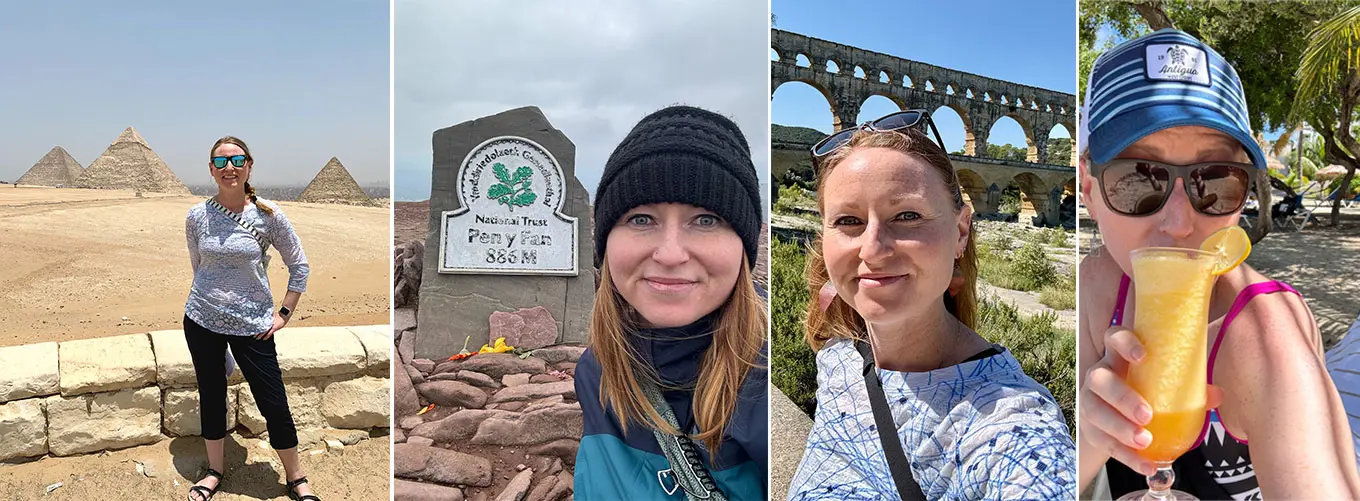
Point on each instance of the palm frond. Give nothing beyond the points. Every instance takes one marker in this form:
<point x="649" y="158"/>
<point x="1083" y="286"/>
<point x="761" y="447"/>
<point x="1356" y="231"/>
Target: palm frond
<point x="1333" y="50"/>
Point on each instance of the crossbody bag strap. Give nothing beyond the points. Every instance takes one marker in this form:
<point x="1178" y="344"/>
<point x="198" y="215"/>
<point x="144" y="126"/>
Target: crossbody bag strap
<point x="260" y="237"/>
<point x="907" y="487"/>
<point x="687" y="468"/>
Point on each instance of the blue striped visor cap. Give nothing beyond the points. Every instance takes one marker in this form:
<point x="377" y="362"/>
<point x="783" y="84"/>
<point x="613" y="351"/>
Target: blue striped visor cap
<point x="1158" y="81"/>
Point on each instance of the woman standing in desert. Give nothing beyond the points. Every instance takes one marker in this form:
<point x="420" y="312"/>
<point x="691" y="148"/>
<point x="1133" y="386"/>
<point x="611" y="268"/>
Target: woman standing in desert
<point x="230" y="304"/>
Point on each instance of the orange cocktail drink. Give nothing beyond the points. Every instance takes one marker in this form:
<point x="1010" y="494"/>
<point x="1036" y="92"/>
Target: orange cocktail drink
<point x="1172" y="289"/>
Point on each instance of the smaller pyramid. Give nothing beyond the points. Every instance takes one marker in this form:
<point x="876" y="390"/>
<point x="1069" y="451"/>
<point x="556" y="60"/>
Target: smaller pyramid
<point x="56" y="168"/>
<point x="129" y="164"/>
<point x="334" y="185"/>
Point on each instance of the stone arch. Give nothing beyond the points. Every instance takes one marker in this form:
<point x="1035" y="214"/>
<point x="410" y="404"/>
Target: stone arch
<point x="860" y="73"/>
<point x="1067" y="156"/>
<point x="802" y="60"/>
<point x="1008" y="127"/>
<point x="1033" y="189"/>
<point x="826" y="94"/>
<point x="884" y="77"/>
<point x="877" y="105"/>
<point x="953" y="123"/>
<point x="930" y="86"/>
<point x="774" y="55"/>
<point x="907" y="82"/>
<point x="832" y="66"/>
<point x="974" y="187"/>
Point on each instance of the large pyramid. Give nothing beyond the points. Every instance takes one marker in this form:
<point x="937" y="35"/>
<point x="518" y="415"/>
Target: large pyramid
<point x="129" y="164"/>
<point x="334" y="185"/>
<point x="56" y="168"/>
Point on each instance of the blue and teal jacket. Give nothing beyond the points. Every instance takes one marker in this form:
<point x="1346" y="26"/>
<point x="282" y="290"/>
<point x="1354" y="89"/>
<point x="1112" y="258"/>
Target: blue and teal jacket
<point x="611" y="464"/>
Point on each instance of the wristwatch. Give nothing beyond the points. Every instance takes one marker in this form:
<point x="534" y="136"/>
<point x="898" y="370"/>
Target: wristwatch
<point x="285" y="312"/>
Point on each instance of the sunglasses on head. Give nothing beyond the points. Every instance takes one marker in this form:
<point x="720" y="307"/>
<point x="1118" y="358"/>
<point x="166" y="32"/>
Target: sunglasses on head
<point x="236" y="160"/>
<point x="1133" y="187"/>
<point x="889" y="123"/>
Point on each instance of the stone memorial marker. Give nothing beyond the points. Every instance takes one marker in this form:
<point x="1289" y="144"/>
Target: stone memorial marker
<point x="510" y="228"/>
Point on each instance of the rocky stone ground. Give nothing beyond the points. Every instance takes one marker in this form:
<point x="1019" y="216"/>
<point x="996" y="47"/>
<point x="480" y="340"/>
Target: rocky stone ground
<point x="502" y="426"/>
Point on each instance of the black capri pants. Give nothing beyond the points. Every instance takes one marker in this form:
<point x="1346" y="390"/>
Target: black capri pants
<point x="259" y="362"/>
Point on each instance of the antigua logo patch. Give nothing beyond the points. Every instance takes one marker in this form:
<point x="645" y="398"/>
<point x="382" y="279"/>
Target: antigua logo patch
<point x="1177" y="63"/>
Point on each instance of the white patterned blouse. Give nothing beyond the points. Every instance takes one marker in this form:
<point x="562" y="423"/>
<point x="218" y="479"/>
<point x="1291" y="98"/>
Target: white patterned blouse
<point x="977" y="430"/>
<point x="230" y="293"/>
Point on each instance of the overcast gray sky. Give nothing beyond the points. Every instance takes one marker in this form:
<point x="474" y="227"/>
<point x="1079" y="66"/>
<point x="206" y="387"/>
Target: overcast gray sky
<point x="594" y="70"/>
<point x="300" y="81"/>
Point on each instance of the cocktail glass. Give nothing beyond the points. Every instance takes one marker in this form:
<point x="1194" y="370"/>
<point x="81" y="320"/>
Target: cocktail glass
<point x="1172" y="287"/>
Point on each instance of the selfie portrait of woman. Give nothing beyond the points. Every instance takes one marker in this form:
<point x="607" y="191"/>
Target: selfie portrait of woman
<point x="231" y="305"/>
<point x="912" y="402"/>
<point x="1197" y="371"/>
<point x="672" y="385"/>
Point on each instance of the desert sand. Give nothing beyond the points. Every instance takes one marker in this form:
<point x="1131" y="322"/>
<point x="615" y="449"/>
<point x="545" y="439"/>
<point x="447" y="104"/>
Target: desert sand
<point x="78" y="261"/>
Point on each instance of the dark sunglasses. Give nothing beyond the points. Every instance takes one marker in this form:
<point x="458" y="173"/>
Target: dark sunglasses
<point x="1141" y="187"/>
<point x="889" y="123"/>
<point x="236" y="160"/>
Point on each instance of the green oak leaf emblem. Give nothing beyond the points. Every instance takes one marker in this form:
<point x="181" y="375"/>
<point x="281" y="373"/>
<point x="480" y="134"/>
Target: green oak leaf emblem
<point x="512" y="190"/>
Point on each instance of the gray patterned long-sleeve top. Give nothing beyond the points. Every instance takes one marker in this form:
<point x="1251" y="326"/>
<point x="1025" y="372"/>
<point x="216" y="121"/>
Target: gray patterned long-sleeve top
<point x="230" y="294"/>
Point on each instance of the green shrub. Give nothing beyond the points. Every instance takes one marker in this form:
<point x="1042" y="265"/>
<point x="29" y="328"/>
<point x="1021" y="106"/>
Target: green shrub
<point x="793" y="198"/>
<point x="1061" y="295"/>
<point x="994" y="243"/>
<point x="1036" y="235"/>
<point x="1010" y="200"/>
<point x="1025" y="269"/>
<point x="1032" y="267"/>
<point x="1057" y="237"/>
<point x="793" y="365"/>
<point x="1046" y="354"/>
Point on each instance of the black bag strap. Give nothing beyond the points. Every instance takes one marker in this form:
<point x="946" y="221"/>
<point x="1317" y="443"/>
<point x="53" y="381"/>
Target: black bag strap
<point x="260" y="237"/>
<point x="687" y="469"/>
<point x="907" y="487"/>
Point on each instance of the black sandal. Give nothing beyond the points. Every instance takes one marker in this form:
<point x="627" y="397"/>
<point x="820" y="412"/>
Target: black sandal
<point x="203" y="491"/>
<point x="293" y="493"/>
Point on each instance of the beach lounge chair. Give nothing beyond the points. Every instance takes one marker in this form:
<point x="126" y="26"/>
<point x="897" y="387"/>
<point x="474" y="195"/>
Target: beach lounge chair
<point x="1304" y="212"/>
<point x="1343" y="364"/>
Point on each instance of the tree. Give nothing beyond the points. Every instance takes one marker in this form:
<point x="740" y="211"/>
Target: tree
<point x="1060" y="151"/>
<point x="1007" y="152"/>
<point x="1329" y="90"/>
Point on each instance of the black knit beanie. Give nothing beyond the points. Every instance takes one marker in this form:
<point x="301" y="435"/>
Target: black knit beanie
<point x="682" y="154"/>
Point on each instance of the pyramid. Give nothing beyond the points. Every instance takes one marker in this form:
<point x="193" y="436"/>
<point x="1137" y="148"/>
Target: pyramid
<point x="129" y="164"/>
<point x="56" y="168"/>
<point x="334" y="185"/>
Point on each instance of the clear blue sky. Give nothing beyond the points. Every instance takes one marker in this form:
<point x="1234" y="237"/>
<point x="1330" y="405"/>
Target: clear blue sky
<point x="1032" y="43"/>
<point x="299" y="81"/>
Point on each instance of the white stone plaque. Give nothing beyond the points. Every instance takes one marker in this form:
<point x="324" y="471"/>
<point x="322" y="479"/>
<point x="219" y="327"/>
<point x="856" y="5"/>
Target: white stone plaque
<point x="511" y="221"/>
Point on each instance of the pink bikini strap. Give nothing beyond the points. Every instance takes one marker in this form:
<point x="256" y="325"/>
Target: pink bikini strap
<point x="1118" y="317"/>
<point x="1239" y="304"/>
